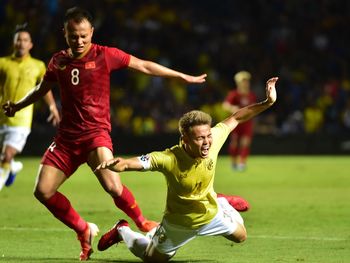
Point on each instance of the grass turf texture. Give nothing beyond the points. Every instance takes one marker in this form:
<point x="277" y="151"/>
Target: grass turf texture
<point x="300" y="212"/>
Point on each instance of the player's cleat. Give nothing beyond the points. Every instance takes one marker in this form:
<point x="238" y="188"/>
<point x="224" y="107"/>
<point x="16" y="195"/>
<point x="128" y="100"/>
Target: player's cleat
<point x="10" y="179"/>
<point x="241" y="167"/>
<point x="237" y="202"/>
<point x="147" y="225"/>
<point x="16" y="167"/>
<point x="112" y="236"/>
<point x="86" y="239"/>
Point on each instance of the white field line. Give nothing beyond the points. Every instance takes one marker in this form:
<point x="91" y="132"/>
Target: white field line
<point x="300" y="238"/>
<point x="249" y="236"/>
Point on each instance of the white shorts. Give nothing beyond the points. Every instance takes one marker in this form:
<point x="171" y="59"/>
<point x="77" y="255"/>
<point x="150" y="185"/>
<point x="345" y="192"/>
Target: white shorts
<point x="168" y="237"/>
<point x="15" y="137"/>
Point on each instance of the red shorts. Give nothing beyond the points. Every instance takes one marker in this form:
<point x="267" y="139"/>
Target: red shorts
<point x="67" y="154"/>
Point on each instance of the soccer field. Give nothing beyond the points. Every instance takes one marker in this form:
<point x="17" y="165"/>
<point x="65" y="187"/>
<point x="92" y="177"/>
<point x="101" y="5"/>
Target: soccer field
<point x="300" y="212"/>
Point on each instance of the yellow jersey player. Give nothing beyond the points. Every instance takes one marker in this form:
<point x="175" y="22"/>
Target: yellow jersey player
<point x="19" y="73"/>
<point x="192" y="206"/>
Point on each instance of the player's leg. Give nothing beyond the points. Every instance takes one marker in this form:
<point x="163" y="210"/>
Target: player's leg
<point x="138" y="244"/>
<point x="245" y="142"/>
<point x="123" y="198"/>
<point x="16" y="167"/>
<point x="12" y="140"/>
<point x="233" y="220"/>
<point x="48" y="181"/>
<point x="5" y="165"/>
<point x="233" y="149"/>
<point x="153" y="255"/>
<point x="227" y="222"/>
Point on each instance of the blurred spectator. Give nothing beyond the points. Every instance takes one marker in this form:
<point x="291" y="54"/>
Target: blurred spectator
<point x="309" y="47"/>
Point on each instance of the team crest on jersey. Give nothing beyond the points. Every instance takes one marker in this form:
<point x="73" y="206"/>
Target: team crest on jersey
<point x="210" y="164"/>
<point x="90" y="65"/>
<point x="144" y="158"/>
<point x="182" y="175"/>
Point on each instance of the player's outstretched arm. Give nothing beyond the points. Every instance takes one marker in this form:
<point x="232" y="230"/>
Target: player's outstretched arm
<point x="10" y="108"/>
<point x="252" y="110"/>
<point x="119" y="164"/>
<point x="155" y="69"/>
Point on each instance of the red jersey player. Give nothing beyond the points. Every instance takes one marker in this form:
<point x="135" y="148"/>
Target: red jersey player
<point x="83" y="74"/>
<point x="241" y="137"/>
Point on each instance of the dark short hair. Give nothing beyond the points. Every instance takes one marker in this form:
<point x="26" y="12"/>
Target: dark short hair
<point x="22" y="28"/>
<point x="77" y="14"/>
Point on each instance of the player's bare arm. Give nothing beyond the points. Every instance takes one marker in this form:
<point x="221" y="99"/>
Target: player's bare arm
<point x="120" y="165"/>
<point x="54" y="116"/>
<point x="155" y="69"/>
<point x="10" y="108"/>
<point x="250" y="111"/>
<point x="229" y="107"/>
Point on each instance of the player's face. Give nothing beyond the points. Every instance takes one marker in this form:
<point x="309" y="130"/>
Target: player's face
<point x="78" y="36"/>
<point x="244" y="86"/>
<point x="198" y="141"/>
<point x="22" y="44"/>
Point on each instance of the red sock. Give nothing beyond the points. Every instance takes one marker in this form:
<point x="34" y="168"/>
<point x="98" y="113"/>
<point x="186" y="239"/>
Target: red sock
<point x="127" y="203"/>
<point x="61" y="208"/>
<point x="233" y="151"/>
<point x="244" y="154"/>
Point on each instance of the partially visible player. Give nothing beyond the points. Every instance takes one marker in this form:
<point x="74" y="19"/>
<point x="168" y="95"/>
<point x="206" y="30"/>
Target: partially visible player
<point x="192" y="206"/>
<point x="241" y="137"/>
<point x="83" y="74"/>
<point x="19" y="73"/>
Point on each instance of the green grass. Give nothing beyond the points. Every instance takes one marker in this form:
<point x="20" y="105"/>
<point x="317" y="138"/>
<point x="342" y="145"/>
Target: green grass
<point x="300" y="212"/>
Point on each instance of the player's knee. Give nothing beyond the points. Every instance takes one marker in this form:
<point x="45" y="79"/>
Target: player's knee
<point x="38" y="195"/>
<point x="239" y="236"/>
<point x="154" y="256"/>
<point x="41" y="194"/>
<point x="114" y="189"/>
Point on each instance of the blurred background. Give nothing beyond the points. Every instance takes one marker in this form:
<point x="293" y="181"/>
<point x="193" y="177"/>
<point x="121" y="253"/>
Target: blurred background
<point x="304" y="42"/>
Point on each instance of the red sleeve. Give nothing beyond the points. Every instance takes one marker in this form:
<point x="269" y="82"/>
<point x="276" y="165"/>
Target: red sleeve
<point x="50" y="72"/>
<point x="230" y="98"/>
<point x="116" y="58"/>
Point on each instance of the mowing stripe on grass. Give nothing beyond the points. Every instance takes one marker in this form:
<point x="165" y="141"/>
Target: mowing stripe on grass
<point x="249" y="236"/>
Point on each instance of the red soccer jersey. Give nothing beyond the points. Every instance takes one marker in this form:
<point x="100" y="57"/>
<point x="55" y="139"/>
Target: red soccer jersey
<point x="85" y="87"/>
<point x="242" y="100"/>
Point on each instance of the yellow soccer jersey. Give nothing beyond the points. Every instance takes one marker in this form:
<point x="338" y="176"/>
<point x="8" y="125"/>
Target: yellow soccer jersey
<point x="17" y="78"/>
<point x="191" y="199"/>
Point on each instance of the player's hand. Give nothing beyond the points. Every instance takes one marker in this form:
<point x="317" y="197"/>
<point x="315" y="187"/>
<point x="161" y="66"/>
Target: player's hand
<point x="271" y="94"/>
<point x="110" y="164"/>
<point x="194" y="79"/>
<point x="9" y="108"/>
<point x="54" y="116"/>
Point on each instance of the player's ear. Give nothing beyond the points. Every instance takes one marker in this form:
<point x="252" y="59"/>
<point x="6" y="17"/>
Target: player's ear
<point x="184" y="138"/>
<point x="31" y="45"/>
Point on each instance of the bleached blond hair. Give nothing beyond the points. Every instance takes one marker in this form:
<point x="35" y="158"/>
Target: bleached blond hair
<point x="193" y="118"/>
